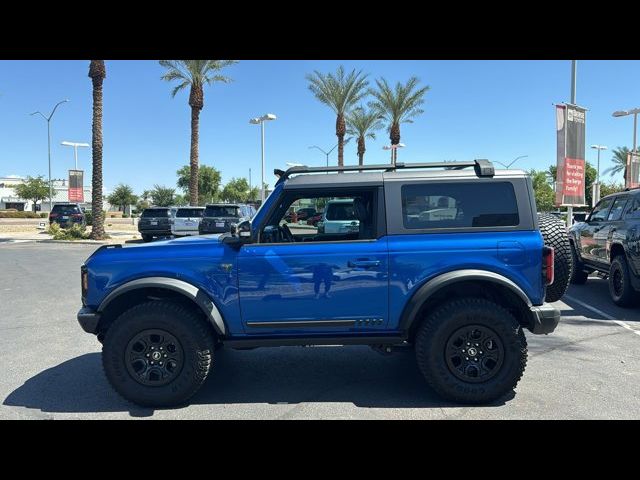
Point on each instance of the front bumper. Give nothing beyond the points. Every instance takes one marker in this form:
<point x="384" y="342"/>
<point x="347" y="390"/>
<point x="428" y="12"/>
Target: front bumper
<point x="88" y="319"/>
<point x="545" y="318"/>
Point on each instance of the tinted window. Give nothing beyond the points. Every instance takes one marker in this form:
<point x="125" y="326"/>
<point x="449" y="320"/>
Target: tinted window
<point x="222" y="211"/>
<point x="459" y="205"/>
<point x="155" y="212"/>
<point x="340" y="211"/>
<point x="634" y="209"/>
<point x="66" y="209"/>
<point x="617" y="209"/>
<point x="601" y="210"/>
<point x="189" y="212"/>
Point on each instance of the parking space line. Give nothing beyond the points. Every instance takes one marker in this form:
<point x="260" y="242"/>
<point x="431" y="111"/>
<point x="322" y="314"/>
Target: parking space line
<point x="601" y="313"/>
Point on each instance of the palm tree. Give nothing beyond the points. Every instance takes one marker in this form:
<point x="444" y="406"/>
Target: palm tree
<point x="97" y="73"/>
<point x="619" y="160"/>
<point x="194" y="74"/>
<point x="361" y="124"/>
<point x="340" y="92"/>
<point x="399" y="105"/>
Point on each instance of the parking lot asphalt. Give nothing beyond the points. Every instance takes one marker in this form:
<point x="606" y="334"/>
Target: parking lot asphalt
<point x="588" y="368"/>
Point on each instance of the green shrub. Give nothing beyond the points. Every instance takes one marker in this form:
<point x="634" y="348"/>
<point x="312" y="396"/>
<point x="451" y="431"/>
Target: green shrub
<point x="44" y="215"/>
<point x="16" y="214"/>
<point x="89" y="217"/>
<point x="76" y="232"/>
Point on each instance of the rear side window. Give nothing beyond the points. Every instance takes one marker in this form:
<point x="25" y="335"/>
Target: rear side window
<point x="66" y="209"/>
<point x="155" y="212"/>
<point x="617" y="209"/>
<point x="189" y="212"/>
<point x="634" y="210"/>
<point x="459" y="205"/>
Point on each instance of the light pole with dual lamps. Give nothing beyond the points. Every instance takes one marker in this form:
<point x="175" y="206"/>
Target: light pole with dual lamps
<point x="75" y="149"/>
<point x="260" y="121"/>
<point x="514" y="161"/>
<point x="394" y="149"/>
<point x="48" y="119"/>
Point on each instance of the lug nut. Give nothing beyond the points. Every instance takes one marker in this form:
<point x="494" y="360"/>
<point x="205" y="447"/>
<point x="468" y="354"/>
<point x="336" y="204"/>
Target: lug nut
<point x="466" y="358"/>
<point x="160" y="363"/>
<point x="147" y="355"/>
<point x="463" y="351"/>
<point x="165" y="355"/>
<point x="480" y="352"/>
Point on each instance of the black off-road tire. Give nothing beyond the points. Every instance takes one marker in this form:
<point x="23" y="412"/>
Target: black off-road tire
<point x="578" y="274"/>
<point x="554" y="233"/>
<point x="620" y="287"/>
<point x="441" y="327"/>
<point x="147" y="238"/>
<point x="195" y="342"/>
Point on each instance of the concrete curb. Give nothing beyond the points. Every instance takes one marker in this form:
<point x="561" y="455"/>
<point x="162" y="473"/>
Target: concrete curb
<point x="76" y="242"/>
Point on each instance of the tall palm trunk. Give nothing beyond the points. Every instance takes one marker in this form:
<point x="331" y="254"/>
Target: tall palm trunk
<point x="394" y="136"/>
<point x="193" y="180"/>
<point x="361" y="150"/>
<point x="97" y="73"/>
<point x="341" y="130"/>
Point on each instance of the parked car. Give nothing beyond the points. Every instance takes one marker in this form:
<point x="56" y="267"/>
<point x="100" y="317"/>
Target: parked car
<point x="339" y="217"/>
<point x="67" y="214"/>
<point x="155" y="222"/>
<point x="186" y="220"/>
<point x="302" y="214"/>
<point x="459" y="289"/>
<point x="218" y="217"/>
<point x="608" y="241"/>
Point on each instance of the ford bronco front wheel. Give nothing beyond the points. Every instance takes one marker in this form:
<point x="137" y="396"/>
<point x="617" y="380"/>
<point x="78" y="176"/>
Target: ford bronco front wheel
<point x="471" y="350"/>
<point x="158" y="354"/>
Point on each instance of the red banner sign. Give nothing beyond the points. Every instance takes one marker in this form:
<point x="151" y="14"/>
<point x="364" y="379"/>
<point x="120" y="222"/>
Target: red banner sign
<point x="76" y="188"/>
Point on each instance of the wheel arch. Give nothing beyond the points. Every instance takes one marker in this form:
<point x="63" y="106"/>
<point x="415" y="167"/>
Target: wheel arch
<point x="140" y="290"/>
<point x="472" y="283"/>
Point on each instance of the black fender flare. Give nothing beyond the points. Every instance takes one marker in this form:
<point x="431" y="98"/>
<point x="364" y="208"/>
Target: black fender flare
<point x="432" y="286"/>
<point x="190" y="291"/>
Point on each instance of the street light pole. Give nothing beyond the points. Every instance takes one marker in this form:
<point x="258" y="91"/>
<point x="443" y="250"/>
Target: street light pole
<point x="393" y="149"/>
<point x="48" y="119"/>
<point x="514" y="161"/>
<point x="75" y="146"/>
<point x="256" y="121"/>
<point x="595" y="198"/>
<point x="634" y="151"/>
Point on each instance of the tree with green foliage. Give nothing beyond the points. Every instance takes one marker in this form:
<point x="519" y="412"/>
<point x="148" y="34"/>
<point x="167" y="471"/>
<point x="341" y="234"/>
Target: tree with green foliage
<point x="362" y="124"/>
<point x="122" y="196"/>
<point x="194" y="74"/>
<point x="236" y="190"/>
<point x="162" y="196"/>
<point x="209" y="179"/>
<point x="619" y="160"/>
<point x="590" y="174"/>
<point x="181" y="200"/>
<point x="610" y="188"/>
<point x="398" y="105"/>
<point x="545" y="196"/>
<point x="340" y="92"/>
<point x="34" y="189"/>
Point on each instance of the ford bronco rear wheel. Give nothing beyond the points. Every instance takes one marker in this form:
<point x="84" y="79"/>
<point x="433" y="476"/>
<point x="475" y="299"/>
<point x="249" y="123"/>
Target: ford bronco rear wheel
<point x="471" y="350"/>
<point x="158" y="354"/>
<point x="554" y="234"/>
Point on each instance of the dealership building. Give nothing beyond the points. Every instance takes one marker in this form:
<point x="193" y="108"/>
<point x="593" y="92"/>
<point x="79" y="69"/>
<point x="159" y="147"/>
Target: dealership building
<point x="9" y="199"/>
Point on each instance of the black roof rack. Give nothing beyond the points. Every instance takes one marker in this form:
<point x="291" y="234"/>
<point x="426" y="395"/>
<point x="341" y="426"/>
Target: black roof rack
<point x="483" y="168"/>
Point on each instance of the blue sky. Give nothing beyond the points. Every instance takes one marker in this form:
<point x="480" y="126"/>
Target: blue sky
<point x="475" y="109"/>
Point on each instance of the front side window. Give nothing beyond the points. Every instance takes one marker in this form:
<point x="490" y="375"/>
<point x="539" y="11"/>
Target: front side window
<point x="601" y="210"/>
<point x="322" y="219"/>
<point x="459" y="205"/>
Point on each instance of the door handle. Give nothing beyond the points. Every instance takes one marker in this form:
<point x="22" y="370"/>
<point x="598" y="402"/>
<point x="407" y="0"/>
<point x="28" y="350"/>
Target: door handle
<point x="363" y="263"/>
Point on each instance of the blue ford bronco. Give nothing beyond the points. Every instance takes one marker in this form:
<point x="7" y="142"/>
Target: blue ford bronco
<point x="449" y="259"/>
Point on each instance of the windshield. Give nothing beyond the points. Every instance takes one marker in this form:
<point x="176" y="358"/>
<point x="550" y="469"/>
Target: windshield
<point x="155" y="212"/>
<point x="222" y="211"/>
<point x="189" y="212"/>
<point x="340" y="211"/>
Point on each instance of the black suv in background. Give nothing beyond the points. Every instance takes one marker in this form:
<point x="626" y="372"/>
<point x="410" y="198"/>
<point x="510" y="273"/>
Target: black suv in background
<point x="608" y="241"/>
<point x="67" y="214"/>
<point x="218" y="217"/>
<point x="154" y="222"/>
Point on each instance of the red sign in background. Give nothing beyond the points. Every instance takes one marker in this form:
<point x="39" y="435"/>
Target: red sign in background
<point x="76" y="188"/>
<point x="573" y="176"/>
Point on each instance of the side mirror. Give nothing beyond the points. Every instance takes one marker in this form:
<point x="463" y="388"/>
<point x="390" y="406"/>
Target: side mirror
<point x="243" y="230"/>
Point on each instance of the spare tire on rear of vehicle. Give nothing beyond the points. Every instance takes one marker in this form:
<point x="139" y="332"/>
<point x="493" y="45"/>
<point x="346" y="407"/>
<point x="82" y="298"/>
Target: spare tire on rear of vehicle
<point x="554" y="233"/>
